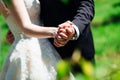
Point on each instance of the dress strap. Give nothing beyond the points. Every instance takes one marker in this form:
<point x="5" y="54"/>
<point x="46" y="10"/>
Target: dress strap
<point x="6" y="9"/>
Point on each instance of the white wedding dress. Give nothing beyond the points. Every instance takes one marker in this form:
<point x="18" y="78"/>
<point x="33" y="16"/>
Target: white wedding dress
<point x="29" y="58"/>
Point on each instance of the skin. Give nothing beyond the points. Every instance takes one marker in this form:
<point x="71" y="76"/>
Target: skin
<point x="65" y="33"/>
<point x="61" y="35"/>
<point x="20" y="15"/>
<point x="3" y="11"/>
<point x="10" y="37"/>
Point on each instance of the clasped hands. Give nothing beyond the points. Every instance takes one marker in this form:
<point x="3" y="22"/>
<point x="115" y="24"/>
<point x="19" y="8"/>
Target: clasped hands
<point x="64" y="33"/>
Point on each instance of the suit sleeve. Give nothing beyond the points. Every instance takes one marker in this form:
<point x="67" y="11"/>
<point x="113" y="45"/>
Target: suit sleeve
<point x="85" y="14"/>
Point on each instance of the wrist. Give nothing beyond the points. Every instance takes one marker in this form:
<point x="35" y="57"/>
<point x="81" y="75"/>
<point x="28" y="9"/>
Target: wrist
<point x="74" y="36"/>
<point x="77" y="32"/>
<point x="54" y="32"/>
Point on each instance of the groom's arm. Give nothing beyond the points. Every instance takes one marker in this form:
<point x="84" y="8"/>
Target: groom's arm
<point x="83" y="18"/>
<point x="85" y="14"/>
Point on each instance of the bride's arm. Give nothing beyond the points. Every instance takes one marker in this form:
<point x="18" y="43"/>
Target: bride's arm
<point x="18" y="11"/>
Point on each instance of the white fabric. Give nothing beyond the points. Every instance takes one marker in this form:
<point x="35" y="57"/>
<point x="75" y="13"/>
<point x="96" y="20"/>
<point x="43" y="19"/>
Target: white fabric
<point x="77" y="32"/>
<point x="29" y="58"/>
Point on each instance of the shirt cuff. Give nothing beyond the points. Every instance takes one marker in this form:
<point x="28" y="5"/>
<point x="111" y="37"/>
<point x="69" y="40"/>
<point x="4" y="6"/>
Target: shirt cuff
<point x="77" y="32"/>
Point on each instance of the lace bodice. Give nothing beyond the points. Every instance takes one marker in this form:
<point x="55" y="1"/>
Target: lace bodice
<point x="33" y="7"/>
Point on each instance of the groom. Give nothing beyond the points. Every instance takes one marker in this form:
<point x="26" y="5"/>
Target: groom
<point x="77" y="32"/>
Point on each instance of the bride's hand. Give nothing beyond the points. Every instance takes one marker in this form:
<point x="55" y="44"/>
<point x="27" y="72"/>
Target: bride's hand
<point x="10" y="37"/>
<point x="64" y="34"/>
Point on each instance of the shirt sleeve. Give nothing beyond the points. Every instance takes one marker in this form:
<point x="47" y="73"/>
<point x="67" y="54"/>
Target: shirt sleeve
<point x="77" y="33"/>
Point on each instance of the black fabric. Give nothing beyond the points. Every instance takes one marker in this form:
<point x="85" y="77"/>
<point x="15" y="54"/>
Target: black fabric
<point x="81" y="12"/>
<point x="55" y="12"/>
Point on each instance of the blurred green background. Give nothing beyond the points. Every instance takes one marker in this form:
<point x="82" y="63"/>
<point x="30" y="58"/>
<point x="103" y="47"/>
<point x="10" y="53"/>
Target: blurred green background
<point x="106" y="33"/>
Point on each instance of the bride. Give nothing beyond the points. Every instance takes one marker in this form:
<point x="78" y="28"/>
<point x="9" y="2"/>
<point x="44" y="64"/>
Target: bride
<point x="28" y="58"/>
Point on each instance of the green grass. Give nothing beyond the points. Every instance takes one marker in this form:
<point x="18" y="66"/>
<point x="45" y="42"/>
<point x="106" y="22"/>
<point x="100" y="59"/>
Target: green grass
<point x="107" y="38"/>
<point x="4" y="46"/>
<point x="106" y="11"/>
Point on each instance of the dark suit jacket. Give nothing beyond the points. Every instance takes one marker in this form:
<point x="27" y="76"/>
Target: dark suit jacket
<point x="81" y="13"/>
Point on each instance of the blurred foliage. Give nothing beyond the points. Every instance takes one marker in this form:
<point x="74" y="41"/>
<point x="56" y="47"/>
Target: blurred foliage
<point x="75" y="68"/>
<point x="107" y="38"/>
<point x="106" y="12"/>
<point x="4" y="45"/>
<point x="63" y="68"/>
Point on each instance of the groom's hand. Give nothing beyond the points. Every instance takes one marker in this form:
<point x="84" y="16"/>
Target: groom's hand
<point x="64" y="34"/>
